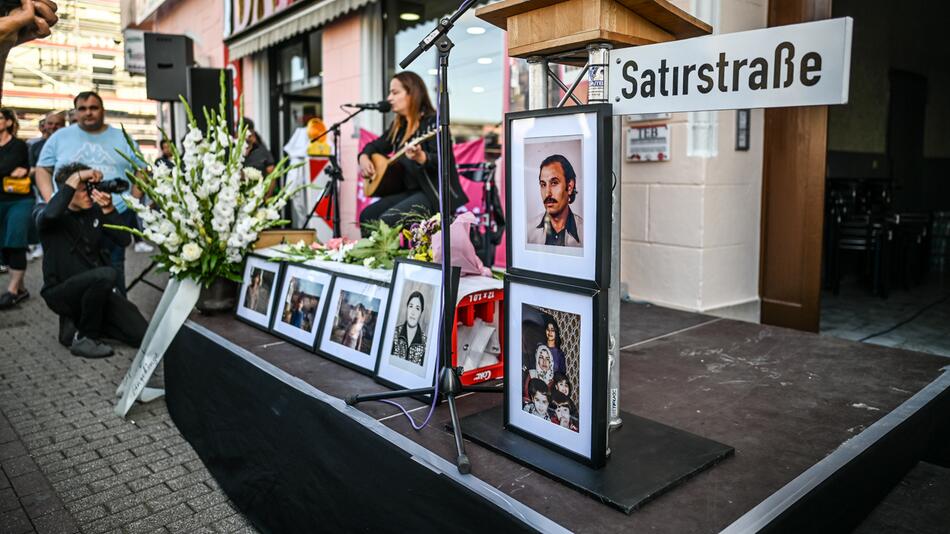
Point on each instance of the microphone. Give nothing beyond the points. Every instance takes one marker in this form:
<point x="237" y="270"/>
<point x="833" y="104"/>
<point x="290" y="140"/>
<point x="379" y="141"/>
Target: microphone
<point x="382" y="106"/>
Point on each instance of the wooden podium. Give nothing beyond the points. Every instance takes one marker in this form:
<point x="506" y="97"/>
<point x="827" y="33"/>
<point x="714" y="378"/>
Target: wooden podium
<point x="549" y="27"/>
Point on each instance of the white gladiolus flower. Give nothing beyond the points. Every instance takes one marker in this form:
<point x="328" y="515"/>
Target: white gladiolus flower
<point x="190" y="252"/>
<point x="160" y="172"/>
<point x="252" y="175"/>
<point x="368" y="262"/>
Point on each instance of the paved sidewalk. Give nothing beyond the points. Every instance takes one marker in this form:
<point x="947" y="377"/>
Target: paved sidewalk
<point x="70" y="465"/>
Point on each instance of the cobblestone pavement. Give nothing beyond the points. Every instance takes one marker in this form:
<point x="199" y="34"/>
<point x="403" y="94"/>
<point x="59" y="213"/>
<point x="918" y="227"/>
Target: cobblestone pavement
<point x="70" y="465"/>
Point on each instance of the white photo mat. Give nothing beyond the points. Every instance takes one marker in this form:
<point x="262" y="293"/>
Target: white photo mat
<point x="317" y="282"/>
<point x="577" y="442"/>
<point x="370" y="291"/>
<point x="260" y="316"/>
<point x="391" y="368"/>
<point x="531" y="132"/>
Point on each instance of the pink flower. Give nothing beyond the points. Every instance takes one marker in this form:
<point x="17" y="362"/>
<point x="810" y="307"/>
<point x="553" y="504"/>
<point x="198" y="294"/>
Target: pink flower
<point x="317" y="246"/>
<point x="337" y="242"/>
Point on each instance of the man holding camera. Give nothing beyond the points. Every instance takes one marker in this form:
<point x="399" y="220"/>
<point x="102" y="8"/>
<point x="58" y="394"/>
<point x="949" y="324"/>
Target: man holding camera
<point x="94" y="143"/>
<point x="79" y="284"/>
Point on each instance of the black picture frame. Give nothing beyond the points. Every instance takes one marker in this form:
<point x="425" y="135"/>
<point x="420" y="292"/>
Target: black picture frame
<point x="324" y="350"/>
<point x="391" y="316"/>
<point x="599" y="275"/>
<point x="322" y="306"/>
<point x="245" y="317"/>
<point x="598" y="382"/>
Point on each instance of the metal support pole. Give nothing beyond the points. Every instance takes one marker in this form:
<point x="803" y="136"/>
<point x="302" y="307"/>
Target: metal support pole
<point x="537" y="82"/>
<point x="598" y="59"/>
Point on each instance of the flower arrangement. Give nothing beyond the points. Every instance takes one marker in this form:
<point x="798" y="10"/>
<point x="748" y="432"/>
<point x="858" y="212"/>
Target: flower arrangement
<point x="419" y="234"/>
<point x="378" y="251"/>
<point x="208" y="208"/>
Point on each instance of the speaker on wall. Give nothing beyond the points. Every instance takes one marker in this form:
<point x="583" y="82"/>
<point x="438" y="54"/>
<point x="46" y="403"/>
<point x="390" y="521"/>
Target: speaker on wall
<point x="204" y="91"/>
<point x="167" y="60"/>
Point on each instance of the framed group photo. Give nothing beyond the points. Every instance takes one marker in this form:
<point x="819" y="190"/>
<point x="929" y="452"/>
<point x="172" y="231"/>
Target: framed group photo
<point x="409" y="352"/>
<point x="354" y="323"/>
<point x="556" y="367"/>
<point x="558" y="193"/>
<point x="301" y="304"/>
<point x="256" y="299"/>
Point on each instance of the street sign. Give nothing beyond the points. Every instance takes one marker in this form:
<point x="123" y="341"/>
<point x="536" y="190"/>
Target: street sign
<point x="797" y="65"/>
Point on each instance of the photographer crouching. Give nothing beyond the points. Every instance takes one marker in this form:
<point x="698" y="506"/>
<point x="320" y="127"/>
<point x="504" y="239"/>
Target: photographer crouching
<point x="79" y="284"/>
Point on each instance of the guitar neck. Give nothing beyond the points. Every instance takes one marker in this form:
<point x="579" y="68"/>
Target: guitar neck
<point x="411" y="144"/>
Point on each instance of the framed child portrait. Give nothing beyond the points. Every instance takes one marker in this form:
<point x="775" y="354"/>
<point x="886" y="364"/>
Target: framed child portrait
<point x="558" y="183"/>
<point x="256" y="300"/>
<point x="354" y="324"/>
<point x="301" y="304"/>
<point x="556" y="370"/>
<point x="409" y="352"/>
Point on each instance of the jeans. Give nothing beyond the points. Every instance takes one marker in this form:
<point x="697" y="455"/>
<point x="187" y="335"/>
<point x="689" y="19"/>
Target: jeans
<point x="97" y="309"/>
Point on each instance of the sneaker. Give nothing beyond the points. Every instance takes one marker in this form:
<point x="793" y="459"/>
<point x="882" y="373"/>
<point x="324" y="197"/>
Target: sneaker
<point x="21" y="296"/>
<point x="87" y="347"/>
<point x="67" y="331"/>
<point x="36" y="253"/>
<point x="143" y="247"/>
<point x="3" y="269"/>
<point x="7" y="300"/>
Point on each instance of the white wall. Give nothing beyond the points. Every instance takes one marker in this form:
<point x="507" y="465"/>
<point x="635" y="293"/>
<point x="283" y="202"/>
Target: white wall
<point x="690" y="226"/>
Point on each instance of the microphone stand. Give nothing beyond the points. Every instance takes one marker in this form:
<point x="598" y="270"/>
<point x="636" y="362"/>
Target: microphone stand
<point x="332" y="191"/>
<point x="449" y="386"/>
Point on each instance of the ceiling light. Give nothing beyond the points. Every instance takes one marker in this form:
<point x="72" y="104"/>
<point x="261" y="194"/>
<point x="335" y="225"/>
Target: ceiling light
<point x="478" y="89"/>
<point x="475" y="30"/>
<point x="484" y="61"/>
<point x="409" y="17"/>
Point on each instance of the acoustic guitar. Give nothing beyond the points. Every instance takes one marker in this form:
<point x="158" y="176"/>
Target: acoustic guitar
<point x="388" y="177"/>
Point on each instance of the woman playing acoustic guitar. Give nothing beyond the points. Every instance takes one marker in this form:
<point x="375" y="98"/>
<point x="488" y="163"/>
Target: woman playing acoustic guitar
<point x="417" y="189"/>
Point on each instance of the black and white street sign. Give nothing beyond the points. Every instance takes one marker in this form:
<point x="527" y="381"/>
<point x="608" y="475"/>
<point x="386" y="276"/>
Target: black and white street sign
<point x="797" y="65"/>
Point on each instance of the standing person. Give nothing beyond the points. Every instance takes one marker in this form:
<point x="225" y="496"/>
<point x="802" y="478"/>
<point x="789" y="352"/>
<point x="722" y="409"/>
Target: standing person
<point x="43" y="135"/>
<point x="16" y="204"/>
<point x="558" y="225"/>
<point x="165" y="159"/>
<point x="415" y="114"/>
<point x="31" y="20"/>
<point x="94" y="143"/>
<point x="258" y="156"/>
<point x="79" y="285"/>
<point x="52" y="123"/>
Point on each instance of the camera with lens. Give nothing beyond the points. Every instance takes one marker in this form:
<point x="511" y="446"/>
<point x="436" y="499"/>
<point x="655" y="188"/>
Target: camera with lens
<point x="108" y="186"/>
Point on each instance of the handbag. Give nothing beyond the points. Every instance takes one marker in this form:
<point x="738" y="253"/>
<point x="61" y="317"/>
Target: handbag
<point x="16" y="186"/>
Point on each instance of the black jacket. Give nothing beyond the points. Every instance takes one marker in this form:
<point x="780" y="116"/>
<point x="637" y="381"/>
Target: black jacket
<point x="73" y="240"/>
<point x="424" y="177"/>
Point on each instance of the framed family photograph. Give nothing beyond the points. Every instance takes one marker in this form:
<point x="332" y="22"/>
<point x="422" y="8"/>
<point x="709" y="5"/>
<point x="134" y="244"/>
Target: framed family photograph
<point x="256" y="300"/>
<point x="558" y="183"/>
<point x="409" y="352"/>
<point x="354" y="323"/>
<point x="301" y="304"/>
<point x="556" y="369"/>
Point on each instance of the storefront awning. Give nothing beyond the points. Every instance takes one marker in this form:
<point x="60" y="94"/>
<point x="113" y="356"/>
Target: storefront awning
<point x="268" y="34"/>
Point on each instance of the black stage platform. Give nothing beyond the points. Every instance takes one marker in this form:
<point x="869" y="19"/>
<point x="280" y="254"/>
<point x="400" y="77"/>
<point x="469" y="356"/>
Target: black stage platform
<point x="822" y="429"/>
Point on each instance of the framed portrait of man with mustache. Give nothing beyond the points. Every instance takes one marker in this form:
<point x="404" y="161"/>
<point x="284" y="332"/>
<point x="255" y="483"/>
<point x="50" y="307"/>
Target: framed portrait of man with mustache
<point x="558" y="189"/>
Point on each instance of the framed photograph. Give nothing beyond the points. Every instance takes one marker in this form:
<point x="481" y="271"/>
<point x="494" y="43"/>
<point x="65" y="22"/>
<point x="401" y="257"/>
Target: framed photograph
<point x="558" y="183"/>
<point x="409" y="352"/>
<point x="354" y="324"/>
<point x="256" y="300"/>
<point x="301" y="304"/>
<point x="556" y="367"/>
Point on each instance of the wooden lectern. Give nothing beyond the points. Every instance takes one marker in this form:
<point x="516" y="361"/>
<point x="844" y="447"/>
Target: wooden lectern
<point x="549" y="27"/>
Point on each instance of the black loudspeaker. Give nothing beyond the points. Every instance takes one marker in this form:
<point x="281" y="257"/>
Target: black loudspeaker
<point x="204" y="91"/>
<point x="167" y="60"/>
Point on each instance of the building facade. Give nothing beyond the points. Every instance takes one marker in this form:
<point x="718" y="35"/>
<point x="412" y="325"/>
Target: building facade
<point x="85" y="52"/>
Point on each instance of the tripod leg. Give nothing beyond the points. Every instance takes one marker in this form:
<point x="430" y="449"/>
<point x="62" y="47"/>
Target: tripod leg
<point x="464" y="465"/>
<point x="355" y="399"/>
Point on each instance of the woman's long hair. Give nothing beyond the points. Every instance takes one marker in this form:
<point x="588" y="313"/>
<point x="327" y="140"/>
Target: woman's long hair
<point x="419" y="106"/>
<point x="10" y="115"/>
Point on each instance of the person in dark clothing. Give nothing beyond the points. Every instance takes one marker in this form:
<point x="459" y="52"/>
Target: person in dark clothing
<point x="52" y="123"/>
<point x="258" y="156"/>
<point x="16" y="202"/>
<point x="79" y="283"/>
<point x="165" y="160"/>
<point x="419" y="191"/>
